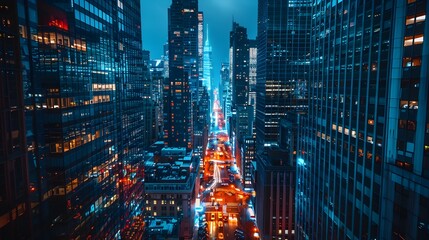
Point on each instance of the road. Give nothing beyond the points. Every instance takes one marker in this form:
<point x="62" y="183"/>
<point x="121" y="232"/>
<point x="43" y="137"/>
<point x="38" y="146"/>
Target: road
<point x="224" y="206"/>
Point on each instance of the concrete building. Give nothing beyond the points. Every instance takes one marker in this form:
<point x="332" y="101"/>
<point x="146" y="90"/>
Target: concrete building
<point x="171" y="187"/>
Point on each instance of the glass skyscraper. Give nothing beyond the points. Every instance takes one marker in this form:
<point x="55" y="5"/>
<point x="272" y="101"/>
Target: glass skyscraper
<point x="182" y="85"/>
<point x="282" y="64"/>
<point x="15" y="75"/>
<point x="283" y="69"/>
<point x="406" y="168"/>
<point x="82" y="85"/>
<point x="361" y="170"/>
<point x="241" y="122"/>
<point x="207" y="61"/>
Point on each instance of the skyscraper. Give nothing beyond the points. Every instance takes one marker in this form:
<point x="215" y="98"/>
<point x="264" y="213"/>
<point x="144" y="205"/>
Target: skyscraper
<point x="343" y="140"/>
<point x="200" y="53"/>
<point x="405" y="188"/>
<point x="15" y="213"/>
<point x="239" y="45"/>
<point x="182" y="84"/>
<point x="239" y="49"/>
<point x="282" y="72"/>
<point x="282" y="66"/>
<point x="208" y="66"/>
<point x="157" y="76"/>
<point x="225" y="89"/>
<point x="81" y="84"/>
<point x="253" y="60"/>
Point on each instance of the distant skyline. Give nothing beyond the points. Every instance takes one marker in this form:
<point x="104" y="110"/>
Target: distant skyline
<point x="218" y="14"/>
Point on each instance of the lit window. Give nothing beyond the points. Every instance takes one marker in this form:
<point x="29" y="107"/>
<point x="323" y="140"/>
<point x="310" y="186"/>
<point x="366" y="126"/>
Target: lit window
<point x="421" y="18"/>
<point x="346" y="131"/>
<point x="418" y="39"/>
<point x="413" y="40"/>
<point x="408" y="41"/>
<point x="409" y="20"/>
<point x="411" y="62"/>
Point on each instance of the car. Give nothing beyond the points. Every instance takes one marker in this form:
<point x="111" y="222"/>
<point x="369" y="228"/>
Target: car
<point x="220" y="236"/>
<point x="239" y="232"/>
<point x="239" y="237"/>
<point x="220" y="224"/>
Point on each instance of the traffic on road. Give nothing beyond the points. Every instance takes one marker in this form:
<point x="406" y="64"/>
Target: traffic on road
<point x="225" y="210"/>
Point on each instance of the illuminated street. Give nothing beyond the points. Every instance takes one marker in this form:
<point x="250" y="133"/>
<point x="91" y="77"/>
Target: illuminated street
<point x="225" y="210"/>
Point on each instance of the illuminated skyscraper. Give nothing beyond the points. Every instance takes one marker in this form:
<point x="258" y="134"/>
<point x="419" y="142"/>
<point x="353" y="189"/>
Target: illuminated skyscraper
<point x="208" y="66"/>
<point x="224" y="84"/>
<point x="182" y="85"/>
<point x="200" y="53"/>
<point x="253" y="60"/>
<point x="363" y="152"/>
<point x="241" y="121"/>
<point x="282" y="66"/>
<point x="81" y="85"/>
<point x="405" y="189"/>
<point x="282" y="72"/>
<point x="15" y="208"/>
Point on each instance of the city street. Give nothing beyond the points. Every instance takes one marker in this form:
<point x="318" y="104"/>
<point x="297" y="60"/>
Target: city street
<point x="225" y="209"/>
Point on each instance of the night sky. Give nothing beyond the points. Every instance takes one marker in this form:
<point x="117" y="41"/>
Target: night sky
<point x="218" y="14"/>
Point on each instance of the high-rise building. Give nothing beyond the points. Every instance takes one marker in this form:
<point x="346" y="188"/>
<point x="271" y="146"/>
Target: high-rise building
<point x="165" y="59"/>
<point x="15" y="208"/>
<point x="344" y="138"/>
<point x="248" y="149"/>
<point x="182" y="84"/>
<point x="80" y="79"/>
<point x="282" y="64"/>
<point x="239" y="47"/>
<point x="253" y="60"/>
<point x="405" y="188"/>
<point x="224" y="95"/>
<point x="275" y="193"/>
<point x="144" y="91"/>
<point x="208" y="66"/>
<point x="200" y="53"/>
<point x="157" y="78"/>
<point x="283" y="57"/>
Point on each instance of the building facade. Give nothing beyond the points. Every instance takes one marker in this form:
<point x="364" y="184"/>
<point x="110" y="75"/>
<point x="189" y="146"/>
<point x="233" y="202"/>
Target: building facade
<point x="171" y="187"/>
<point x="81" y="84"/>
<point x="253" y="60"/>
<point x="15" y="213"/>
<point x="208" y="65"/>
<point x="344" y="139"/>
<point x="224" y="88"/>
<point x="406" y="160"/>
<point x="182" y="85"/>
<point x="275" y="193"/>
<point x="282" y="64"/>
